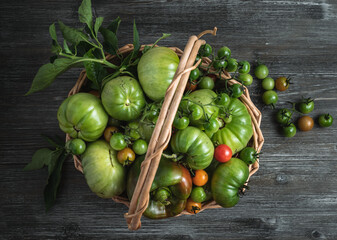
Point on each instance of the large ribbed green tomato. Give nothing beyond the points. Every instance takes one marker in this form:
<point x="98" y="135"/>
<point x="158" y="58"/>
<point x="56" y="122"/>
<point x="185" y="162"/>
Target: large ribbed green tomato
<point x="156" y="69"/>
<point x="82" y="116"/>
<point x="123" y="98"/>
<point x="104" y="174"/>
<point x="227" y="180"/>
<point x="197" y="148"/>
<point x="238" y="129"/>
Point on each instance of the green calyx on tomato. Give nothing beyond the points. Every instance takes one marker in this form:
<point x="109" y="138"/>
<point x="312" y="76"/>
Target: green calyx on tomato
<point x="82" y="116"/>
<point x="325" y="120"/>
<point x="238" y="131"/>
<point x="156" y="70"/>
<point x="283" y="116"/>
<point x="171" y="187"/>
<point x="306" y="105"/>
<point x="205" y="50"/>
<point x="195" y="145"/>
<point x="228" y="180"/>
<point x="244" y="67"/>
<point x="104" y="174"/>
<point x="249" y="155"/>
<point x="123" y="98"/>
<point x="76" y="146"/>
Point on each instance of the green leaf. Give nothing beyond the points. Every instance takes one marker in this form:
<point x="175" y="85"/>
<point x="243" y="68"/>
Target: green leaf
<point x="53" y="160"/>
<point x="40" y="158"/>
<point x="66" y="48"/>
<point x="110" y="40"/>
<point x="56" y="48"/>
<point x="85" y="13"/>
<point x="114" y="25"/>
<point x="54" y="179"/>
<point x="48" y="72"/>
<point x="95" y="71"/>
<point x="136" y="44"/>
<point x="72" y="35"/>
<point x="52" y="32"/>
<point x="57" y="142"/>
<point x="98" y="24"/>
<point x="147" y="48"/>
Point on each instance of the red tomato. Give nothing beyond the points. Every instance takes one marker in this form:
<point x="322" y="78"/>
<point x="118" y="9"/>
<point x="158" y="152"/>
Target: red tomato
<point x="223" y="153"/>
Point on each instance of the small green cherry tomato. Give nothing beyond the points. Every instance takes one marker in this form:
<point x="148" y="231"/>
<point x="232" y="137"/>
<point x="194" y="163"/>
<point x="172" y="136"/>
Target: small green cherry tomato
<point x="181" y="122"/>
<point x="117" y="141"/>
<point x="222" y="99"/>
<point x="268" y="83"/>
<point x="224" y="52"/>
<point x="198" y="194"/>
<point x="270" y="97"/>
<point x="236" y="90"/>
<point x="246" y="79"/>
<point x="325" y="120"/>
<point x="244" y="67"/>
<point x="76" y="146"/>
<point x="219" y="64"/>
<point x="194" y="75"/>
<point x="306" y="105"/>
<point x="197" y="58"/>
<point x="196" y="112"/>
<point x="261" y="71"/>
<point x="289" y="130"/>
<point x="212" y="125"/>
<point x="248" y="155"/>
<point x="206" y="83"/>
<point x="283" y="116"/>
<point x="139" y="147"/>
<point x="232" y="65"/>
<point x="205" y="50"/>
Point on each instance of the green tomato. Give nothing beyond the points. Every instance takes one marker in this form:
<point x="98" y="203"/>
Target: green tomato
<point x="248" y="155"/>
<point x="206" y="83"/>
<point x="224" y="52"/>
<point x="283" y="116"/>
<point x="205" y="50"/>
<point x="212" y="125"/>
<point x="236" y="90"/>
<point x="223" y="99"/>
<point x="198" y="194"/>
<point x="105" y="176"/>
<point x="204" y="98"/>
<point x="244" y="67"/>
<point x="238" y="130"/>
<point x="181" y="122"/>
<point x="195" y="74"/>
<point x="246" y="79"/>
<point x="325" y="120"/>
<point x="270" y="97"/>
<point x="261" y="71"/>
<point x="123" y="98"/>
<point x="117" y="141"/>
<point x="156" y="70"/>
<point x="195" y="145"/>
<point x="227" y="181"/>
<point x="306" y="105"/>
<point x="196" y="112"/>
<point x="82" y="116"/>
<point x="232" y="65"/>
<point x="76" y="146"/>
<point x="219" y="64"/>
<point x="139" y="147"/>
<point x="268" y="83"/>
<point x="132" y="130"/>
<point x="289" y="130"/>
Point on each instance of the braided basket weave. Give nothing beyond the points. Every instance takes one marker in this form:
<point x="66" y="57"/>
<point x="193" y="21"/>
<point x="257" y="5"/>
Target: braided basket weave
<point x="162" y="132"/>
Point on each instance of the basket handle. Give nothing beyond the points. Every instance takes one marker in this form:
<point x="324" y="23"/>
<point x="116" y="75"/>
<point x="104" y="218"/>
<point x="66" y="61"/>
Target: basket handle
<point x="162" y="132"/>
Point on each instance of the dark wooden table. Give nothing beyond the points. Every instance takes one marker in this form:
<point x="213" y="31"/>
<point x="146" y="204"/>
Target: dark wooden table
<point x="292" y="196"/>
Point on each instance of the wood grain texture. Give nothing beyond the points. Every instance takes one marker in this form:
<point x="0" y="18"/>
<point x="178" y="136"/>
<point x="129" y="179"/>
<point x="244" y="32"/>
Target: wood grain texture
<point x="292" y="196"/>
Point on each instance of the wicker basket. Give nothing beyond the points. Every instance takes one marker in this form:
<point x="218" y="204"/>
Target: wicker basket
<point x="162" y="132"/>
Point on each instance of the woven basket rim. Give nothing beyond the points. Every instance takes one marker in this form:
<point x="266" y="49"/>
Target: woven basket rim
<point x="254" y="112"/>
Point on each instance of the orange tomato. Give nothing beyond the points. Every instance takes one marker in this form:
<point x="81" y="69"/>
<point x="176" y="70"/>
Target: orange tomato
<point x="200" y="178"/>
<point x="126" y="156"/>
<point x="192" y="207"/>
